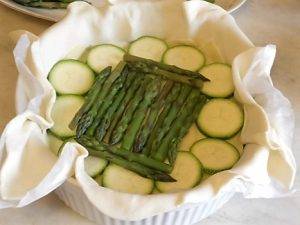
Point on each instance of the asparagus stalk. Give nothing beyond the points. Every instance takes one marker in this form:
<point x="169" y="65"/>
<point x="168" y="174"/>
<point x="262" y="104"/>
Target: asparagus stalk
<point x="173" y="149"/>
<point x="129" y="95"/>
<point x="158" y="66"/>
<point x="87" y="119"/>
<point x="167" y="75"/>
<point x="122" y="125"/>
<point x="43" y="4"/>
<point x="170" y="98"/>
<point x="91" y="96"/>
<point x="174" y="129"/>
<point x="152" y="118"/>
<point x="152" y="91"/>
<point x="172" y="115"/>
<point x="133" y="166"/>
<point x="111" y="111"/>
<point x="143" y="160"/>
<point x="116" y="86"/>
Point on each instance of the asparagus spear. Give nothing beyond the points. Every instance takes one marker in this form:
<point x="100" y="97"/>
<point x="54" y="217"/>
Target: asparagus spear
<point x="158" y="66"/>
<point x="122" y="125"/>
<point x="133" y="166"/>
<point x="172" y="115"/>
<point x="152" y="118"/>
<point x="116" y="86"/>
<point x="88" y="118"/>
<point x="166" y="74"/>
<point x="110" y="113"/>
<point x="97" y="148"/>
<point x="91" y="96"/>
<point x="152" y="91"/>
<point x="170" y="98"/>
<point x="43" y="4"/>
<point x="178" y="123"/>
<point x="173" y="150"/>
<point x="129" y="95"/>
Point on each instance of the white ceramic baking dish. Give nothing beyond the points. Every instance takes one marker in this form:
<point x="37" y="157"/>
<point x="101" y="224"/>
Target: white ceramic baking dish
<point x="73" y="196"/>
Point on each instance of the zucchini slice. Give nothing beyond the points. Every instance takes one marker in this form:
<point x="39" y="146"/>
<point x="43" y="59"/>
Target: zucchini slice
<point x="63" y="111"/>
<point x="220" y="118"/>
<point x="98" y="179"/>
<point x="205" y="176"/>
<point x="67" y="140"/>
<point x="190" y="138"/>
<point x="221" y="82"/>
<point x="236" y="142"/>
<point x="148" y="47"/>
<point x="71" y="77"/>
<point x="215" y="155"/>
<point x="94" y="165"/>
<point x="123" y="180"/>
<point x="187" y="171"/>
<point x="184" y="56"/>
<point x="54" y="143"/>
<point x="155" y="191"/>
<point x="102" y="56"/>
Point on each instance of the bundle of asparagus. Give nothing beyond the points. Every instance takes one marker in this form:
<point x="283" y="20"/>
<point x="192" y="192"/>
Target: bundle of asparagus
<point x="53" y="4"/>
<point x="47" y="4"/>
<point x="135" y="115"/>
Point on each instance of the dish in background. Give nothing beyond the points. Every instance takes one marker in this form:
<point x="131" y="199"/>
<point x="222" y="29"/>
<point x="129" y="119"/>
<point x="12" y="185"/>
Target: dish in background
<point x="230" y="5"/>
<point x="56" y="14"/>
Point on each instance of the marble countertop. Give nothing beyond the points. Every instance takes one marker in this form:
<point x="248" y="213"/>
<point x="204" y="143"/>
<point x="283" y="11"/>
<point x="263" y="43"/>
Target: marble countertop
<point x="268" y="21"/>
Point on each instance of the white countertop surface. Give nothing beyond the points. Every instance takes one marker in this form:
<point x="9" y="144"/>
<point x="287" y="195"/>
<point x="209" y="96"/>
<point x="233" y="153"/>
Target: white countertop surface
<point x="268" y="21"/>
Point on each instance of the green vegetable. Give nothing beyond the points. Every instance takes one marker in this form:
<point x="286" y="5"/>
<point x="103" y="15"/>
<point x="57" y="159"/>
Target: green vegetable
<point x="221" y="81"/>
<point x="94" y="165"/>
<point x="152" y="91"/>
<point x="133" y="166"/>
<point x="111" y="111"/>
<point x="177" y="124"/>
<point x="159" y="68"/>
<point x="91" y="96"/>
<point x="215" y="155"/>
<point x="54" y="142"/>
<point x="63" y="110"/>
<point x="70" y="76"/>
<point x="187" y="171"/>
<point x="130" y="156"/>
<point x="148" y="47"/>
<point x="87" y="120"/>
<point x="169" y="100"/>
<point x="173" y="149"/>
<point x="136" y="162"/>
<point x="116" y="86"/>
<point x="184" y="56"/>
<point x="123" y="180"/>
<point x="152" y="118"/>
<point x="103" y="55"/>
<point x="122" y="125"/>
<point x="220" y="118"/>
<point x="171" y="116"/>
<point x="44" y="4"/>
<point x="129" y="95"/>
<point x="167" y="75"/>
